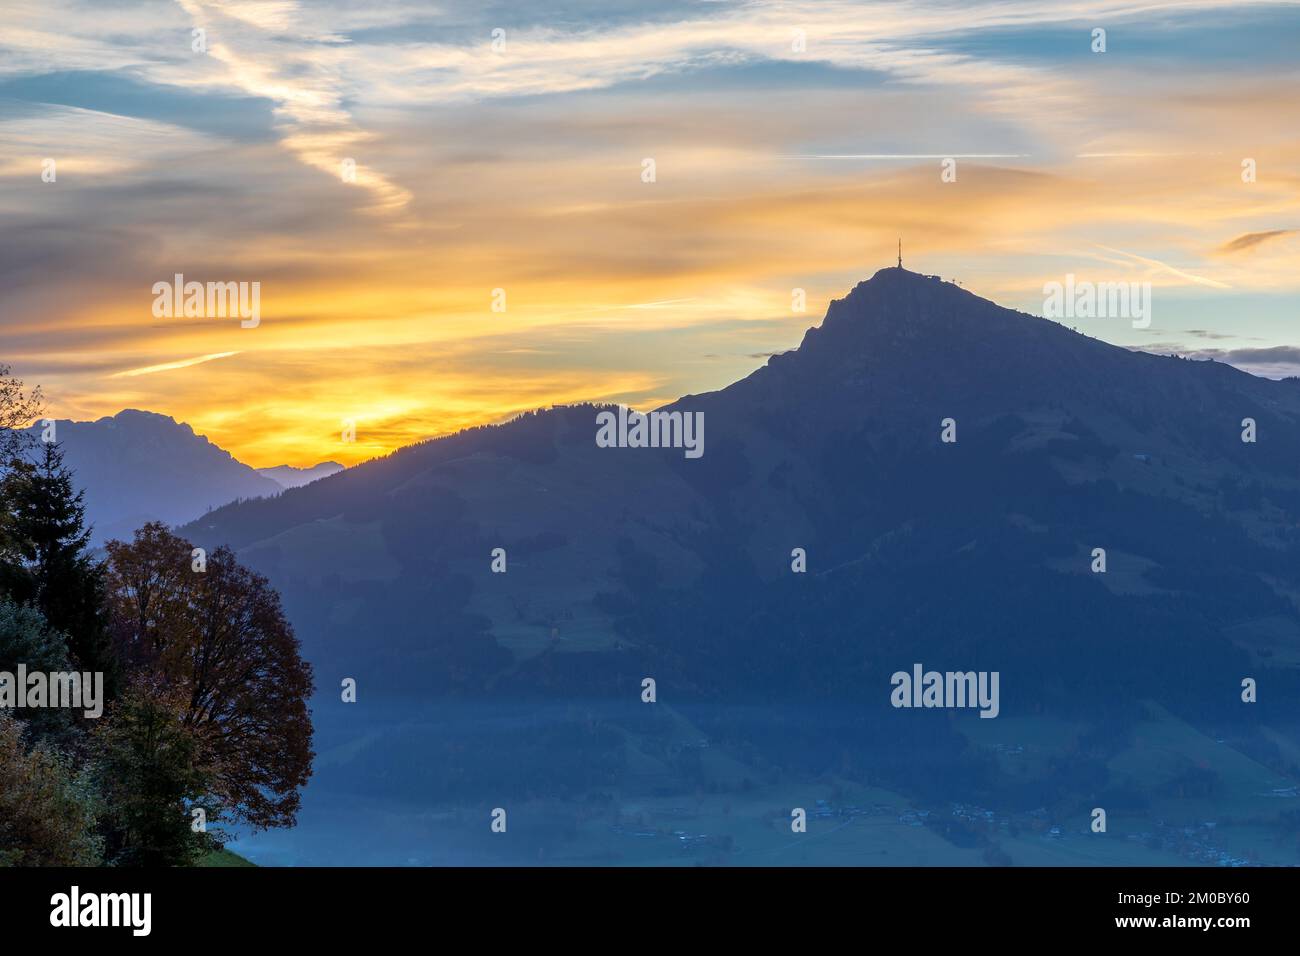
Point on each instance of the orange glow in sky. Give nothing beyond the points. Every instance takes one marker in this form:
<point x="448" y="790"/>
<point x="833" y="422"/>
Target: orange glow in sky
<point x="381" y="191"/>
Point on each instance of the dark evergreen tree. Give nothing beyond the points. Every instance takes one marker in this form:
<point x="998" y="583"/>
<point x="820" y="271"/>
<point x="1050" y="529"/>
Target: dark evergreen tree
<point x="54" y="572"/>
<point x="26" y="639"/>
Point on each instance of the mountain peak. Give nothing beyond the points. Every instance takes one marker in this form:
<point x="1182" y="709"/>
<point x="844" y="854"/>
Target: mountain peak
<point x="897" y="306"/>
<point x="139" y="420"/>
<point x="895" y="278"/>
<point x="141" y="415"/>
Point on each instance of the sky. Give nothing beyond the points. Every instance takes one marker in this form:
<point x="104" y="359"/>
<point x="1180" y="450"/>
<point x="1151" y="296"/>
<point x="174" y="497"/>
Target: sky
<point x="448" y="211"/>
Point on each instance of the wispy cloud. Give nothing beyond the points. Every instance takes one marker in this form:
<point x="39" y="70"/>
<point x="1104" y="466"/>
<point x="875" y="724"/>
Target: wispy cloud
<point x="267" y="54"/>
<point x="1252" y="239"/>
<point x="1158" y="266"/>
<point x="172" y="366"/>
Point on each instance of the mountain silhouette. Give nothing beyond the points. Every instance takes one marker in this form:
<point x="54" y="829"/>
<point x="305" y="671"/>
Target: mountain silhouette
<point x="978" y="554"/>
<point x="139" y="466"/>
<point x="833" y="447"/>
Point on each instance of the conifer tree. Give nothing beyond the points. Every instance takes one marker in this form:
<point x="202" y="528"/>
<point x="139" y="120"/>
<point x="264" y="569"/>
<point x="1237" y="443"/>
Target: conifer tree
<point x="55" y="572"/>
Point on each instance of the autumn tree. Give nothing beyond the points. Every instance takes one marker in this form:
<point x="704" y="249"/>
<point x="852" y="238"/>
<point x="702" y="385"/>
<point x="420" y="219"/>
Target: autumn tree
<point x="17" y="409"/>
<point x="48" y="809"/>
<point x="215" y="633"/>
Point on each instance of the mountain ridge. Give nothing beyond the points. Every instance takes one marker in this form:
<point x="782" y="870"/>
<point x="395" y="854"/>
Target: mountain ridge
<point x="139" y="466"/>
<point x="828" y="538"/>
<point x="834" y="447"/>
<point x="856" y="341"/>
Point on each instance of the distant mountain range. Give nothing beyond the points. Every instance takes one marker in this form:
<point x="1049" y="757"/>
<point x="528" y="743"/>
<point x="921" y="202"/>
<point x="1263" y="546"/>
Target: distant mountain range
<point x="288" y="476"/>
<point x="139" y="466"/>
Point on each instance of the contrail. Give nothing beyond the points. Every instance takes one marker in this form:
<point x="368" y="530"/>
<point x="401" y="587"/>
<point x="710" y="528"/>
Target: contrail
<point x="168" y="366"/>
